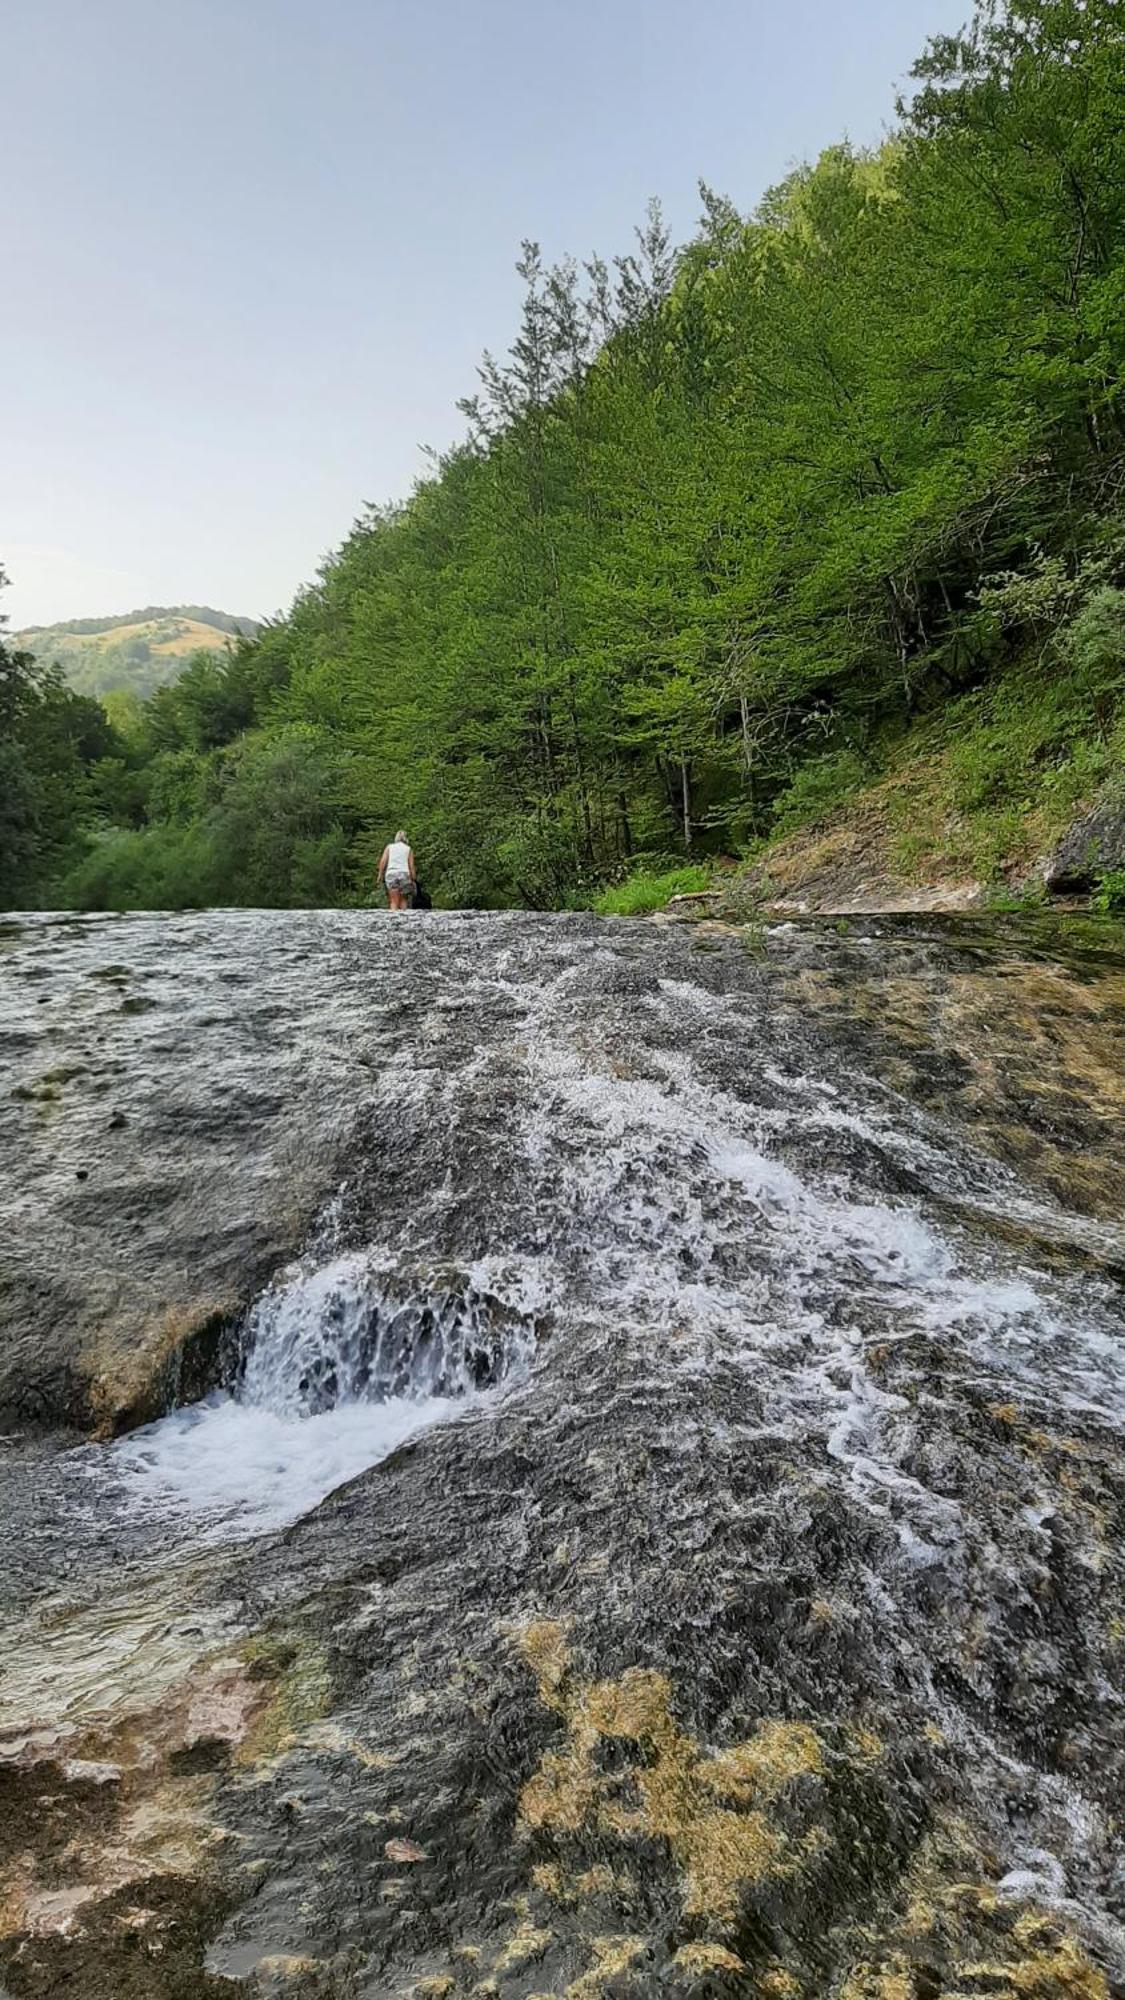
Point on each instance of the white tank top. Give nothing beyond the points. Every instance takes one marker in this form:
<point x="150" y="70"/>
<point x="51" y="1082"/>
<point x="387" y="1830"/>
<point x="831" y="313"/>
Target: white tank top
<point x="398" y="857"/>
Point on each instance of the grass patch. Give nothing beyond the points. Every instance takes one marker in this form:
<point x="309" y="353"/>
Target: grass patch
<point x="1000" y="775"/>
<point x="640" y="894"/>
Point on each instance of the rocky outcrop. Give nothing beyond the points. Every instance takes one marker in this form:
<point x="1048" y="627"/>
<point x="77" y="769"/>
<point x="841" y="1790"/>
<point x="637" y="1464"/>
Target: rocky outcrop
<point x="760" y="1635"/>
<point x="1093" y="846"/>
<point x="851" y="864"/>
<point x="175" y="1106"/>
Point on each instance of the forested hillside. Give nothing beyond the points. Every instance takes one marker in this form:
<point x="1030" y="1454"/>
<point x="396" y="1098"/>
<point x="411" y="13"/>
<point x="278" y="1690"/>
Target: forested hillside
<point x="729" y="521"/>
<point x="139" y="651"/>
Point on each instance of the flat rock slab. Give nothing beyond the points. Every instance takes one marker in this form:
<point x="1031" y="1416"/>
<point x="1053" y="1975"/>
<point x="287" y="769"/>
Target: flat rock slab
<point x="177" y="1096"/>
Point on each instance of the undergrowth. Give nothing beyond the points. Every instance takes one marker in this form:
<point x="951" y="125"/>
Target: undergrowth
<point x="1108" y="898"/>
<point x="995" y="780"/>
<point x="819" y="788"/>
<point x="977" y="790"/>
<point x="642" y="893"/>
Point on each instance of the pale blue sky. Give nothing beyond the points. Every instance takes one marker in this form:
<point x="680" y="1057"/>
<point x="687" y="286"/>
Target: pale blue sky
<point x="252" y="249"/>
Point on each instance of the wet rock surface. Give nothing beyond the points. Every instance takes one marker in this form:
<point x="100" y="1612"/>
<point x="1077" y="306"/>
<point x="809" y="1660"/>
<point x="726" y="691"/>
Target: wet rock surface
<point x="175" y="1105"/>
<point x="743" y="1617"/>
<point x="1012" y="1029"/>
<point x="1093" y="846"/>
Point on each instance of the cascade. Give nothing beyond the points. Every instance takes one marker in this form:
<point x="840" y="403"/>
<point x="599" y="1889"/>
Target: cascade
<point x="669" y="1500"/>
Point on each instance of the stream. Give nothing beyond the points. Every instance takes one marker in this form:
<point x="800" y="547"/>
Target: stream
<point x="658" y="1506"/>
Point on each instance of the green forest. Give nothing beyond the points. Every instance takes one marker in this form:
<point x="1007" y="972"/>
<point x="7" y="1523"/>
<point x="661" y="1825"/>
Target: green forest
<point x="728" y="523"/>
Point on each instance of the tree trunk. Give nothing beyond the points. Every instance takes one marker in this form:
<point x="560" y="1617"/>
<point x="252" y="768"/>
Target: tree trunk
<point x="747" y="752"/>
<point x="626" y="829"/>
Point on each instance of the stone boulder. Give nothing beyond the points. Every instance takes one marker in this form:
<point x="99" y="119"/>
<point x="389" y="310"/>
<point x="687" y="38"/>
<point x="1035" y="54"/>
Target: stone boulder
<point x="1093" y="846"/>
<point x="177" y="1094"/>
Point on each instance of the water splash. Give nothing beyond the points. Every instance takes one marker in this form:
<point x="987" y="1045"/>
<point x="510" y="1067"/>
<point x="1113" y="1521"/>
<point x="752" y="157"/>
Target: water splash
<point x="348" y="1332"/>
<point x="341" y="1363"/>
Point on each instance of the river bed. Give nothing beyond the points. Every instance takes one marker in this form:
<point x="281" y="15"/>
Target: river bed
<point x="632" y="1413"/>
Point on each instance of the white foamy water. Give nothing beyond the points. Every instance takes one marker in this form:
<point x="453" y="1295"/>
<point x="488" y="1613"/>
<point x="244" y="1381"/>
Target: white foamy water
<point x="690" y="1174"/>
<point x="245" y="1468"/>
<point x="341" y="1368"/>
<point x="686" y="1222"/>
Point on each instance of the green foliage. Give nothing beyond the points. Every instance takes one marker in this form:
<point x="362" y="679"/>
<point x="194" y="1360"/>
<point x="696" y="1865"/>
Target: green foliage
<point x="819" y="788"/>
<point x="162" y="868"/>
<point x="1094" y="646"/>
<point x="1008" y="767"/>
<point x="1027" y="902"/>
<point x="1043" y="739"/>
<point x="728" y="523"/>
<point x="254" y="824"/>
<point x="19" y="825"/>
<point x="1109" y="896"/>
<point x="275" y="822"/>
<point x="642" y="893"/>
<point x="56" y="749"/>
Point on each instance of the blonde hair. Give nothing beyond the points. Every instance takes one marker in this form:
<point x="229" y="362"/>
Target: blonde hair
<point x="401" y="836"/>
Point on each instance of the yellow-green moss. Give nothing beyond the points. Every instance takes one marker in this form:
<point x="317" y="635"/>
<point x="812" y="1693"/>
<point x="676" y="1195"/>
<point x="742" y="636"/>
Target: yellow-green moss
<point x="979" y="1939"/>
<point x="525" y="1942"/>
<point x="706" y="1804"/>
<point x="703" y="1958"/>
<point x="297" y="1671"/>
<point x="610" y="1957"/>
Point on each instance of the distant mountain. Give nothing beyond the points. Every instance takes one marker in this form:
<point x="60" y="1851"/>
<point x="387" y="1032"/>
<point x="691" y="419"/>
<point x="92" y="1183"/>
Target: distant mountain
<point x="141" y="650"/>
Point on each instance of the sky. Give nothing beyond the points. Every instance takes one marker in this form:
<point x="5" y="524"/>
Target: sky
<point x="252" y="250"/>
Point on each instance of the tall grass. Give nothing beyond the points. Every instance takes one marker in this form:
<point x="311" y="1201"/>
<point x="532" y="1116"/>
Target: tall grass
<point x="642" y="893"/>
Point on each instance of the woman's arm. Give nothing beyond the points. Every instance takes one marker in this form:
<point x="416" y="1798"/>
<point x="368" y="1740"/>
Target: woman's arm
<point x="382" y="864"/>
<point x="410" y="865"/>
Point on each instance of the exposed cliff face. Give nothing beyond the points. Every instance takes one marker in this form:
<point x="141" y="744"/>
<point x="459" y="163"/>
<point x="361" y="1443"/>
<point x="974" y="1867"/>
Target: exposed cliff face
<point x="743" y="1616"/>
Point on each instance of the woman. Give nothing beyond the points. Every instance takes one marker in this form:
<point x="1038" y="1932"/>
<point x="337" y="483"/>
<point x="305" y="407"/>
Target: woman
<point x="396" y="869"/>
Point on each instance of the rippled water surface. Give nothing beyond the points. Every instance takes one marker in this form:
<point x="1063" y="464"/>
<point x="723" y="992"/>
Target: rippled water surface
<point x="700" y="1213"/>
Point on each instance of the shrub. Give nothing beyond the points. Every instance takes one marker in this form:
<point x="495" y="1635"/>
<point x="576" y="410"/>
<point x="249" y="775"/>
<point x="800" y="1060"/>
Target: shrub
<point x="1095" y="641"/>
<point x="818" y="788"/>
<point x="161" y="868"/>
<point x="1109" y="895"/>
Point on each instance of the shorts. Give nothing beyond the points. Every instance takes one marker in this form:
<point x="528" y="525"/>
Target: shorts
<point x="400" y="882"/>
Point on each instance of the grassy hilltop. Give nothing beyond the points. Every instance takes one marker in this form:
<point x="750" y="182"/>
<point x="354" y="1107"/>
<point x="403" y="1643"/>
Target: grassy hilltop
<point x="140" y="650"/>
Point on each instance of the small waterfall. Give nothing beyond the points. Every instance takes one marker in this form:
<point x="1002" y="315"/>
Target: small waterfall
<point x="344" y="1332"/>
<point x="339" y="1362"/>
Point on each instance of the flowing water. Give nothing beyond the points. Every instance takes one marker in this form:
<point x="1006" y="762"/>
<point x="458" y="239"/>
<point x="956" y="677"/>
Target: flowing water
<point x="602" y="1178"/>
<point x="333" y="1368"/>
<point x="670" y="1166"/>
